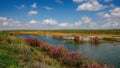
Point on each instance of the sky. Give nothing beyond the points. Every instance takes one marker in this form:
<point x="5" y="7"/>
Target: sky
<point x="59" y="14"/>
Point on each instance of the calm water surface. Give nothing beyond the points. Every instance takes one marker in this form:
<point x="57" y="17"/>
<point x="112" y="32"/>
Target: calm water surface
<point x="106" y="52"/>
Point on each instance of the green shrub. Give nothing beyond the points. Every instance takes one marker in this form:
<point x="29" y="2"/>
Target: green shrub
<point x="6" y="60"/>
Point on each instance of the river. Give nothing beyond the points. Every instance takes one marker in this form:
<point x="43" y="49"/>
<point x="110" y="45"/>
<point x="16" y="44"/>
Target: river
<point x="103" y="52"/>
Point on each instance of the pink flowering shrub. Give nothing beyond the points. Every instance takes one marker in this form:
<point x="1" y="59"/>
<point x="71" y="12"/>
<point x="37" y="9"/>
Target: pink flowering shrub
<point x="76" y="38"/>
<point x="32" y="41"/>
<point x="94" y="40"/>
<point x="64" y="56"/>
<point x="101" y="65"/>
<point x="44" y="46"/>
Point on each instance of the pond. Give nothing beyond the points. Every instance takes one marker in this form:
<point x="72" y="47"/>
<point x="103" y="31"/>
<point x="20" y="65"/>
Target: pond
<point x="106" y="52"/>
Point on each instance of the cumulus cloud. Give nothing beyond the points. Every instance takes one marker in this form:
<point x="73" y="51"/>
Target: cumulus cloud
<point x="33" y="22"/>
<point x="63" y="24"/>
<point x="85" y="22"/>
<point x="91" y="6"/>
<point x="111" y="23"/>
<point x="107" y="0"/>
<point x="32" y="13"/>
<point x="59" y="1"/>
<point x="115" y="12"/>
<point x="111" y="13"/>
<point x="77" y="1"/>
<point x="47" y="8"/>
<point x="21" y="6"/>
<point x="111" y="18"/>
<point x="34" y="5"/>
<point x="3" y="18"/>
<point x="8" y="22"/>
<point x="50" y="21"/>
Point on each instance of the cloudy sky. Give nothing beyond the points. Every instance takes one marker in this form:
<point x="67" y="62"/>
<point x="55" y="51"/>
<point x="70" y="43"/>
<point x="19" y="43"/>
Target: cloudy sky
<point x="59" y="14"/>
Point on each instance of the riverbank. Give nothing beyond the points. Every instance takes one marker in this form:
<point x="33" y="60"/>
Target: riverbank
<point x="15" y="53"/>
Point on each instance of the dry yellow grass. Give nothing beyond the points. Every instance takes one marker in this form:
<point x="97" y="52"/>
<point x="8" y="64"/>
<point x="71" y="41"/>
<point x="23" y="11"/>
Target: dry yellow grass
<point x="59" y="33"/>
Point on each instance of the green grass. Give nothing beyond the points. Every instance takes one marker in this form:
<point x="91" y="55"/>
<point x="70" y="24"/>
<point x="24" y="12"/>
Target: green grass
<point x="6" y="59"/>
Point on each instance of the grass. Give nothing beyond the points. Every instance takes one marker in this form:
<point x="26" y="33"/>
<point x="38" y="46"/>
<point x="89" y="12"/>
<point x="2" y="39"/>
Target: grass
<point x="6" y="59"/>
<point x="17" y="54"/>
<point x="73" y="32"/>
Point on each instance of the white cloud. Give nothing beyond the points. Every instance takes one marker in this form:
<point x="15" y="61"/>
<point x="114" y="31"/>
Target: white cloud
<point x="50" y="21"/>
<point x="47" y="8"/>
<point x="33" y="22"/>
<point x="112" y="13"/>
<point x="34" y="5"/>
<point x="77" y="1"/>
<point x="32" y="13"/>
<point x="4" y="21"/>
<point x="21" y="6"/>
<point x="85" y="22"/>
<point x="91" y="6"/>
<point x="110" y="23"/>
<point x="112" y="5"/>
<point x="63" y="24"/>
<point x="115" y="12"/>
<point x="3" y="18"/>
<point x="59" y="1"/>
<point x="107" y="0"/>
<point x="111" y="18"/>
<point x="86" y="19"/>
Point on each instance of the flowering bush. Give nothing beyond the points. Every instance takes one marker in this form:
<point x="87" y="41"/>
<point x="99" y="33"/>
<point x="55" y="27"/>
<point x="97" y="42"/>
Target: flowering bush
<point x="95" y="65"/>
<point x="57" y="37"/>
<point x="94" y="40"/>
<point x="57" y="51"/>
<point x="76" y="38"/>
<point x="64" y="56"/>
<point x="44" y="46"/>
<point x="32" y="41"/>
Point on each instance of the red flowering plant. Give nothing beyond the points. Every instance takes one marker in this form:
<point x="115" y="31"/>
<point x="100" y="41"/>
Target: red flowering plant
<point x="44" y="46"/>
<point x="76" y="39"/>
<point x="95" y="65"/>
<point x="32" y="41"/>
<point x="94" y="40"/>
<point x="71" y="58"/>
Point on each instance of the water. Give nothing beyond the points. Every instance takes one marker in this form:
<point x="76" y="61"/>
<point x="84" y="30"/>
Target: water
<point x="106" y="52"/>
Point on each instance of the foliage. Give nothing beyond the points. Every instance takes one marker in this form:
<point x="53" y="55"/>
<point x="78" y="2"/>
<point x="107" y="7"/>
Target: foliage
<point x="4" y="38"/>
<point x="76" y="39"/>
<point x="94" y="40"/>
<point x="32" y="41"/>
<point x="6" y="59"/>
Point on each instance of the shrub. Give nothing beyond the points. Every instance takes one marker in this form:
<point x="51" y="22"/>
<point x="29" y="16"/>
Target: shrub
<point x="6" y="60"/>
<point x="64" y="56"/>
<point x="95" y="65"/>
<point x="44" y="46"/>
<point x="57" y="37"/>
<point x="76" y="38"/>
<point x="32" y="41"/>
<point x="57" y="51"/>
<point x="94" y="40"/>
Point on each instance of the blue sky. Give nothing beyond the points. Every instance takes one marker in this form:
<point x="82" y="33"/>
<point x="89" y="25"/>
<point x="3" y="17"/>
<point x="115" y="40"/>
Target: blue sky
<point x="59" y="14"/>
